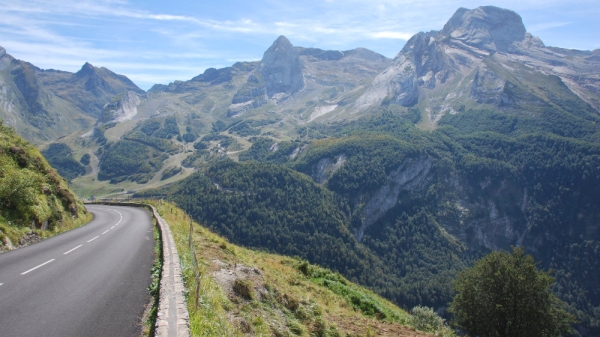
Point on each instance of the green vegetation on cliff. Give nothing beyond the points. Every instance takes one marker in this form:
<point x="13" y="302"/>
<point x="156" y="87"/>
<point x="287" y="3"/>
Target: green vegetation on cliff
<point x="35" y="202"/>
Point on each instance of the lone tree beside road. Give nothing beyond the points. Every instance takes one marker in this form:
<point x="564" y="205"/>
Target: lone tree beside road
<point x="504" y="295"/>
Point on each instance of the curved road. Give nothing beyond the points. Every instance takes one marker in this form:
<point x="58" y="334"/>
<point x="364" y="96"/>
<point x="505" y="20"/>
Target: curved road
<point x="91" y="281"/>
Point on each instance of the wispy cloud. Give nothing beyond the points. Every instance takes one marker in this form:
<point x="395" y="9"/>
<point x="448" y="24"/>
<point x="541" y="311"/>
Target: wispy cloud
<point x="547" y="25"/>
<point x="149" y="39"/>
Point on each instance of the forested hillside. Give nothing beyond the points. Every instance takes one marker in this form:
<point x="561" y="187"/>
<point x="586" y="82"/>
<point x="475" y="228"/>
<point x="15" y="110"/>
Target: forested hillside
<point x="402" y="210"/>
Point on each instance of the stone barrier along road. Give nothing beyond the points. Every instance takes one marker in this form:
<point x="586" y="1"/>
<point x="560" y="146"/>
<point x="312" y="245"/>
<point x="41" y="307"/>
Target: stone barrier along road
<point x="173" y="317"/>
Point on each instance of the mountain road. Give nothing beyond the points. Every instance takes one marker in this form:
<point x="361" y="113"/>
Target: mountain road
<point x="90" y="281"/>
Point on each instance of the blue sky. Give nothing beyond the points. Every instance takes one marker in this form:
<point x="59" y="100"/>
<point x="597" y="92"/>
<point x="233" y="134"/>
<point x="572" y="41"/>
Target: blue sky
<point x="163" y="41"/>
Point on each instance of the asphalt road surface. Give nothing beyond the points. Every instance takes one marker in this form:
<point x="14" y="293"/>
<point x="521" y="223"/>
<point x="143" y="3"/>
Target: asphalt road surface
<point x="91" y="281"/>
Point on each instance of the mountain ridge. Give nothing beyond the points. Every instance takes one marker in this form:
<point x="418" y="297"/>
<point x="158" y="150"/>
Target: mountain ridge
<point x="430" y="64"/>
<point x="43" y="105"/>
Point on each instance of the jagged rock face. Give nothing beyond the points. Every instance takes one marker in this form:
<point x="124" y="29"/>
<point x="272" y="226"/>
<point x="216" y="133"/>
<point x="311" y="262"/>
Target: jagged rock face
<point x="409" y="175"/>
<point x="278" y="76"/>
<point x="122" y="108"/>
<point x="489" y="28"/>
<point x="254" y="88"/>
<point x="488" y="88"/>
<point x="421" y="63"/>
<point x="281" y="68"/>
<point x="445" y="71"/>
<point x="326" y="167"/>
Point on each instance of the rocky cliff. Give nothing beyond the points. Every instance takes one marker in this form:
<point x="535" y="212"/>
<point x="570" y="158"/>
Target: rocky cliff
<point x="481" y="59"/>
<point x="278" y="76"/>
<point x="123" y="107"/>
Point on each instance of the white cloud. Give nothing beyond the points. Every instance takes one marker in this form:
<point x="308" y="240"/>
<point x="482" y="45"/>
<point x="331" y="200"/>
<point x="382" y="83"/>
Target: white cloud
<point x="546" y="25"/>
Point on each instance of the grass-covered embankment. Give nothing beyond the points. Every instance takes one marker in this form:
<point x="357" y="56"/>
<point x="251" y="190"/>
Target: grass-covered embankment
<point x="35" y="202"/>
<point x="245" y="292"/>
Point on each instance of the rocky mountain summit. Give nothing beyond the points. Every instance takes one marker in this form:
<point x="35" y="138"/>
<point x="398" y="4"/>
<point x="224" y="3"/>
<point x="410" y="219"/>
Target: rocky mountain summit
<point x="487" y="28"/>
<point x="281" y="68"/>
<point x="278" y="75"/>
<point x="484" y="58"/>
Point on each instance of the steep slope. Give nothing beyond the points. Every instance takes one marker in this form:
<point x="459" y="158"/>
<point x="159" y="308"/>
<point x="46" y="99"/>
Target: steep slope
<point x="43" y="105"/>
<point x="246" y="292"/>
<point x="35" y="202"/>
<point x="484" y="59"/>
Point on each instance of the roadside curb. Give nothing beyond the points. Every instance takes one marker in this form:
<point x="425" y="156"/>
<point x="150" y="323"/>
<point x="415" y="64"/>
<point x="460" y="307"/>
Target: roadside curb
<point x="173" y="317"/>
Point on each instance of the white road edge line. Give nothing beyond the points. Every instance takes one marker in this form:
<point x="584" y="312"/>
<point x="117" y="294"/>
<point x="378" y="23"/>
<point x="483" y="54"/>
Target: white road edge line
<point x="34" y="268"/>
<point x="93" y="239"/>
<point x="106" y="231"/>
<point x="65" y="253"/>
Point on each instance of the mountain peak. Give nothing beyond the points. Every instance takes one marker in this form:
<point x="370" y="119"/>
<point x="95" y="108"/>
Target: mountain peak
<point x="87" y="69"/>
<point x="280" y="46"/>
<point x="282" y="40"/>
<point x="2" y="51"/>
<point x="281" y="68"/>
<point x="489" y="28"/>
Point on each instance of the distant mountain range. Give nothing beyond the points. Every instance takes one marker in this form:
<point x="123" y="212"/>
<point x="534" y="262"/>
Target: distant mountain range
<point x="474" y="137"/>
<point x="481" y="59"/>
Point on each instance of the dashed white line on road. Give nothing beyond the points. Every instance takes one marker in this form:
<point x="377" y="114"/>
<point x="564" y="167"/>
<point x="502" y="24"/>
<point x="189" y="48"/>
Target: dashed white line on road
<point x="106" y="231"/>
<point x="65" y="253"/>
<point x="93" y="239"/>
<point x="112" y="227"/>
<point x="34" y="268"/>
<point x="1" y="284"/>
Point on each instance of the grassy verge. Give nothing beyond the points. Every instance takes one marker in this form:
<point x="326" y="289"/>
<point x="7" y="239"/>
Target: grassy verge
<point x="12" y="236"/>
<point x="236" y="291"/>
